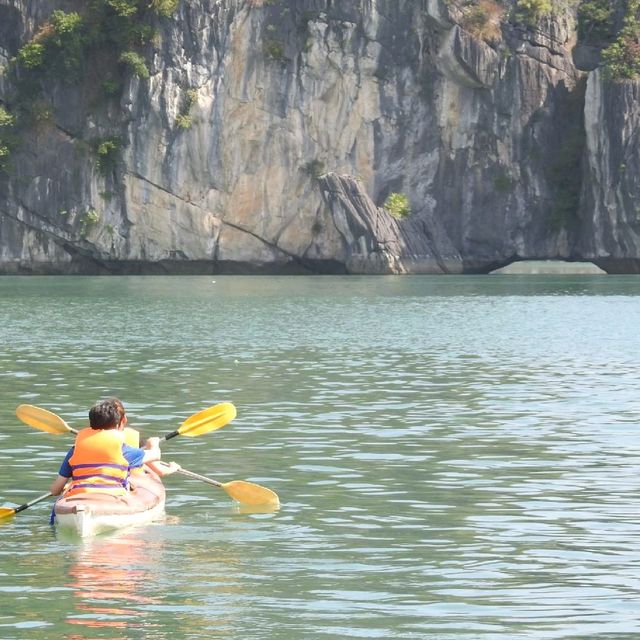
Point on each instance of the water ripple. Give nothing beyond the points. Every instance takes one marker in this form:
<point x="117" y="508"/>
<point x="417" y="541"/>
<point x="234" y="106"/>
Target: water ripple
<point x="456" y="458"/>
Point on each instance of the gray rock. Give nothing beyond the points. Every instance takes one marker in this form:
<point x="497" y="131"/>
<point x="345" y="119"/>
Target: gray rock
<point x="307" y="115"/>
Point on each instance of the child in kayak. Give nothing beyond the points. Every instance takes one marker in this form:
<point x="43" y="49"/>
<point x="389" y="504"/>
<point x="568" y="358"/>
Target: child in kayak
<point x="101" y="460"/>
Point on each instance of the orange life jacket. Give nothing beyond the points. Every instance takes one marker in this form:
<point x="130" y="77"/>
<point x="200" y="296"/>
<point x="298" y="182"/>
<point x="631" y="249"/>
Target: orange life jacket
<point x="97" y="463"/>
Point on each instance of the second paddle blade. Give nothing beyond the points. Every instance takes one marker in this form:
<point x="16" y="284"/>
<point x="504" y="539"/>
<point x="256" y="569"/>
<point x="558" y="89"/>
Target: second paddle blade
<point x="250" y="493"/>
<point x="6" y="512"/>
<point x="208" y="420"/>
<point x="42" y="419"/>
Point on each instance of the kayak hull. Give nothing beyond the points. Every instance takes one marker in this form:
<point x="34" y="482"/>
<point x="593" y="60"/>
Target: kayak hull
<point x="89" y="514"/>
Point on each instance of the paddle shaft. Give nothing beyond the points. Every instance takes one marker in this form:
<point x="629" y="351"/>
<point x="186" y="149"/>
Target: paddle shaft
<point x="173" y="434"/>
<point x="26" y="505"/>
<point x="242" y="491"/>
<point x="10" y="512"/>
<point x="197" y="476"/>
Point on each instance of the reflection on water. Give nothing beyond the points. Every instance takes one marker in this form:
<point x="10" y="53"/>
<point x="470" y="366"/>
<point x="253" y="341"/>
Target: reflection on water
<point x="110" y="578"/>
<point x="456" y="457"/>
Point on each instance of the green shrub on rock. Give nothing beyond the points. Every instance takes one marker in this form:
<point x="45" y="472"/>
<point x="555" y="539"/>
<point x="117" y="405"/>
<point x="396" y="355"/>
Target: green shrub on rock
<point x="164" y="8"/>
<point x="621" y="60"/>
<point x="107" y="152"/>
<point x="184" y="119"/>
<point x="274" y="49"/>
<point x="67" y="42"/>
<point x="397" y="205"/>
<point x="595" y="20"/>
<point x="136" y="63"/>
<point x="531" y="11"/>
<point x="6" y="123"/>
<point x="123" y="8"/>
<point x="88" y="221"/>
<point x="58" y="45"/>
<point x="6" y="119"/>
<point x="31" y="56"/>
<point x="483" y="20"/>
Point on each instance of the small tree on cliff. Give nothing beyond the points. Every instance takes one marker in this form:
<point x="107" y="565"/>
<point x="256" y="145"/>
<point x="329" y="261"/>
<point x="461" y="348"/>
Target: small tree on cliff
<point x="622" y="59"/>
<point x="397" y="205"/>
<point x="530" y="11"/>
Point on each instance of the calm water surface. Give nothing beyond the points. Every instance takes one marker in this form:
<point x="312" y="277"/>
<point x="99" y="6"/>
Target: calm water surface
<point x="457" y="457"/>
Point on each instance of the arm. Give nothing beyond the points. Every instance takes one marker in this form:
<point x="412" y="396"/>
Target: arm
<point x="136" y="457"/>
<point x="152" y="450"/>
<point x="58" y="485"/>
<point x="63" y="475"/>
<point x="163" y="468"/>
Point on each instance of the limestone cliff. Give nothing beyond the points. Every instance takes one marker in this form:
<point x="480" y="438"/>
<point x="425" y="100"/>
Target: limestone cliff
<point x="270" y="132"/>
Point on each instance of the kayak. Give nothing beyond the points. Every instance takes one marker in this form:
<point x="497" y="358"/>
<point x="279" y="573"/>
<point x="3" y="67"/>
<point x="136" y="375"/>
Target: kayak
<point x="88" y="514"/>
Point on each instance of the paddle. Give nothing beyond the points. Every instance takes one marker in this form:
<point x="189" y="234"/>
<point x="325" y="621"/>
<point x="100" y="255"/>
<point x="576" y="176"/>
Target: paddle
<point x="7" y="512"/>
<point x="240" y="490"/>
<point x="43" y="419"/>
<point x="204" y="421"/>
<point x="198" y="424"/>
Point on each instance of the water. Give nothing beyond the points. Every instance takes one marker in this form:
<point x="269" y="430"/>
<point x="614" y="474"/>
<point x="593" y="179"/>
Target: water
<point x="457" y="457"/>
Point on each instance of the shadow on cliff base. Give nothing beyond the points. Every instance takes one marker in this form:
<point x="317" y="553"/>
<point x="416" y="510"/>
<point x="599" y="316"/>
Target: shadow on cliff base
<point x="89" y="267"/>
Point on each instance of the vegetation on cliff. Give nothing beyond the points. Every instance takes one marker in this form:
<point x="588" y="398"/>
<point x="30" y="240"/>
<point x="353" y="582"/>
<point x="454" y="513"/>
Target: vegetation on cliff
<point x="117" y="29"/>
<point x="618" y="39"/>
<point x="531" y="11"/>
<point x="595" y="21"/>
<point x="622" y="58"/>
<point x="484" y="18"/>
<point x="110" y="35"/>
<point x="6" y="125"/>
<point x="398" y="205"/>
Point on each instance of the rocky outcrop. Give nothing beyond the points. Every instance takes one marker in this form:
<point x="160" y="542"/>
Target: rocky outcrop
<point x="366" y="239"/>
<point x="303" y="117"/>
<point x="610" y="213"/>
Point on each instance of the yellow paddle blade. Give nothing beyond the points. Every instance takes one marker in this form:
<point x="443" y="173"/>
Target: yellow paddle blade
<point x="251" y="494"/>
<point x="6" y="512"/>
<point x="208" y="420"/>
<point x="42" y="419"/>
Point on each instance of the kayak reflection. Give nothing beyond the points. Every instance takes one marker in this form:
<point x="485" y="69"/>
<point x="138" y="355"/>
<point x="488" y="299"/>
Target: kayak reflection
<point x="111" y="579"/>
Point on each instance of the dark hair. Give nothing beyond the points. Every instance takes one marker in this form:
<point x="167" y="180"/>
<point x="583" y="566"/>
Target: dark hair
<point x="118" y="405"/>
<point x="104" y="415"/>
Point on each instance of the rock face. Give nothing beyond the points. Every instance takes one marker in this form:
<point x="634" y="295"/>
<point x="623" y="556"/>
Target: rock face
<point x="610" y="211"/>
<point x="305" y="116"/>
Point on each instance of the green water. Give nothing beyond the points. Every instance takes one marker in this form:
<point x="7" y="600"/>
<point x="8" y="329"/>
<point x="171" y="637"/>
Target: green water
<point x="456" y="457"/>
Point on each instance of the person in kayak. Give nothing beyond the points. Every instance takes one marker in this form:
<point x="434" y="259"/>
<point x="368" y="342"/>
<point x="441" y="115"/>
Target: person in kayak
<point x="101" y="461"/>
